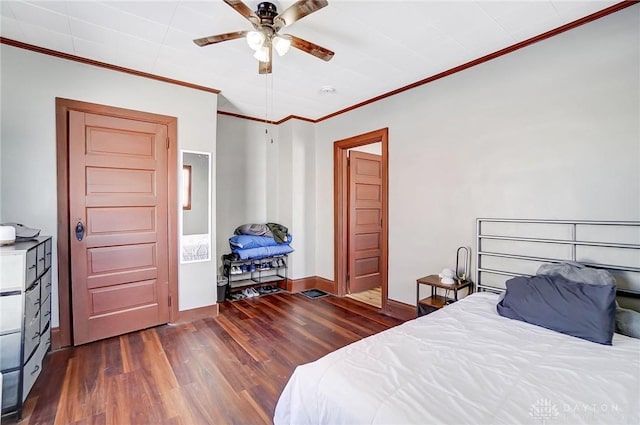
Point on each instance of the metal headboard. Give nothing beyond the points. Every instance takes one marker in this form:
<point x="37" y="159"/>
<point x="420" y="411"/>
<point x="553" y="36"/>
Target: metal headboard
<point x="513" y="247"/>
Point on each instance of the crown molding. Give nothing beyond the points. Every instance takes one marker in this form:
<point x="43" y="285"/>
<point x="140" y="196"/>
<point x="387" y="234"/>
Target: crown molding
<point x="99" y="64"/>
<point x="247" y="117"/>
<point x="250" y="118"/>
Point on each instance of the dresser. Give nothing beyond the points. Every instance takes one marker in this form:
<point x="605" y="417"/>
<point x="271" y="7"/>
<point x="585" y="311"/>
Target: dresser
<point x="25" y="313"/>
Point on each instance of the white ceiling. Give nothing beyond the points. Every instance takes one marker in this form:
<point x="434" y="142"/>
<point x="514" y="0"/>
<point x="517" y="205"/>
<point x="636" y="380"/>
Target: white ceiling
<point x="379" y="45"/>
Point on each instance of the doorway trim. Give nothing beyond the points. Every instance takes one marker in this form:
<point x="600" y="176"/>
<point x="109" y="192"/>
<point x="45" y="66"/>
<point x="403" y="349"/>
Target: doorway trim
<point x="341" y="204"/>
<point x="63" y="106"/>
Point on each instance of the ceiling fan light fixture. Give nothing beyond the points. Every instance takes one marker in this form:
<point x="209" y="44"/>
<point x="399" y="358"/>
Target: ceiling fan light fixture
<point x="267" y="22"/>
<point x="255" y="40"/>
<point x="281" y="43"/>
<point x="262" y="54"/>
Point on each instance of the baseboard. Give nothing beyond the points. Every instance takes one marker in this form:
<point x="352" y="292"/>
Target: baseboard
<point x="56" y="339"/>
<point x="312" y="282"/>
<point x="325" y="285"/>
<point x="299" y="285"/>
<point x="400" y="310"/>
<point x="198" y="313"/>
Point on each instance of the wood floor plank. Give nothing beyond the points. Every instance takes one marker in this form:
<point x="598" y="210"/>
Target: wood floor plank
<point x="266" y="419"/>
<point x="225" y="370"/>
<point x="99" y="419"/>
<point x="65" y="404"/>
<point x="322" y="326"/>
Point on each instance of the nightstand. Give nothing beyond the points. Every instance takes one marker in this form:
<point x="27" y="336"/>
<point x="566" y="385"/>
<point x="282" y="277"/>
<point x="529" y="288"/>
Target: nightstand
<point x="435" y="301"/>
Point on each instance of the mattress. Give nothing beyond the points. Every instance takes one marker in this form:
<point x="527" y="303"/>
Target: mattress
<point x="465" y="364"/>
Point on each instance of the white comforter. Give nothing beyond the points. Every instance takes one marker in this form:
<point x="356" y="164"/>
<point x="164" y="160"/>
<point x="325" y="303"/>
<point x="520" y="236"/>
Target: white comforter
<point x="465" y="364"/>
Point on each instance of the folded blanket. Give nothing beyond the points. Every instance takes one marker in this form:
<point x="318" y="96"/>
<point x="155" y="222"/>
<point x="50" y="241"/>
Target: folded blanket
<point x="249" y="241"/>
<point x="279" y="231"/>
<point x="274" y="230"/>
<point x="263" y="251"/>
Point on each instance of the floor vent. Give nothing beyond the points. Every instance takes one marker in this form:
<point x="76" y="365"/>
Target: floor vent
<point x="313" y="293"/>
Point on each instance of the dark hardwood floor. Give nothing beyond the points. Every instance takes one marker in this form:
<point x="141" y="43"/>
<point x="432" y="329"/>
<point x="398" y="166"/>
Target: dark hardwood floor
<point x="225" y="370"/>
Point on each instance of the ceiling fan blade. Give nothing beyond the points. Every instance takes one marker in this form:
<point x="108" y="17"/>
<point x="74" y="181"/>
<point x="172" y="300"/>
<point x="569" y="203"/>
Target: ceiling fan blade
<point x="244" y="10"/>
<point x="311" y="48"/>
<point x="265" y="67"/>
<point x="297" y="11"/>
<point x="212" y="39"/>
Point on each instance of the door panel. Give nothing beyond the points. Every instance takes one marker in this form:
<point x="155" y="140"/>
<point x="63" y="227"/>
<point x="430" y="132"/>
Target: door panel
<point x="104" y="181"/>
<point x="126" y="144"/>
<point x="118" y="186"/>
<point x="120" y="258"/>
<point x="367" y="266"/>
<point x="123" y="220"/>
<point x="107" y="300"/>
<point x="365" y="221"/>
<point x="368" y="192"/>
<point x="368" y="241"/>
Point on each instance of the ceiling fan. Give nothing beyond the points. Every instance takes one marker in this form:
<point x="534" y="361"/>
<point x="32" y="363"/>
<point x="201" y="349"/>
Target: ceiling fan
<point x="267" y="22"/>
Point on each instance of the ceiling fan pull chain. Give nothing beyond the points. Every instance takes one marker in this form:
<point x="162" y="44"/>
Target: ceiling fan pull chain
<point x="266" y="107"/>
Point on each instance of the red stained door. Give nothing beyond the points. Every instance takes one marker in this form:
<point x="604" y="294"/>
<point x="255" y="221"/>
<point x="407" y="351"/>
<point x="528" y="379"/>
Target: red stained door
<point x="118" y="195"/>
<point x="365" y="221"/>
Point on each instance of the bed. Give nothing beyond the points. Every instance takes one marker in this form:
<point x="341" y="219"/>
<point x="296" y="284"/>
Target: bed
<point x="467" y="364"/>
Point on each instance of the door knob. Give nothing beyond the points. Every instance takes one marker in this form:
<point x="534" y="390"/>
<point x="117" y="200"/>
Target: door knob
<point x="79" y="230"/>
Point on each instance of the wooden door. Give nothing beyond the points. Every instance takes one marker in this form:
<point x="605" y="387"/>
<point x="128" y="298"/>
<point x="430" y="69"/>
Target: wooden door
<point x="365" y="221"/>
<point x="118" y="192"/>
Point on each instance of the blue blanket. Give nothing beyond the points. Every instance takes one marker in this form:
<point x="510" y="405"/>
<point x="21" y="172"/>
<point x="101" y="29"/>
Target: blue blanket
<point x="263" y="251"/>
<point x="251" y="241"/>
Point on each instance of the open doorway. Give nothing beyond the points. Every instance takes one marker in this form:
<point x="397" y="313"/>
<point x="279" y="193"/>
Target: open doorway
<point x="361" y="209"/>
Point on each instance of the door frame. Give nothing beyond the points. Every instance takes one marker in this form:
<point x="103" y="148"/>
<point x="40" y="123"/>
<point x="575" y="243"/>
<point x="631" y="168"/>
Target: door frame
<point x="63" y="106"/>
<point x="341" y="205"/>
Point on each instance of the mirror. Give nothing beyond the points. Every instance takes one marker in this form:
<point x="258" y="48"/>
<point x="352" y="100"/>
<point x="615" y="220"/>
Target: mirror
<point x="196" y="206"/>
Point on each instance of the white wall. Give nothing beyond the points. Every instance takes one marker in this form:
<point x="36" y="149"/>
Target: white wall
<point x="297" y="194"/>
<point x="241" y="185"/>
<point x="549" y="131"/>
<point x="263" y="181"/>
<point x="30" y="84"/>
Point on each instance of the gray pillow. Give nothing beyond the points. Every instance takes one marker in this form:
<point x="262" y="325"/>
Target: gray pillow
<point x="628" y="322"/>
<point x="553" y="302"/>
<point x="577" y="272"/>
